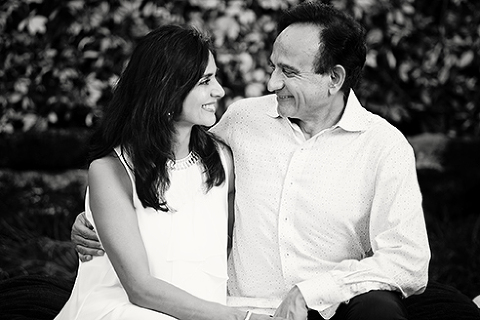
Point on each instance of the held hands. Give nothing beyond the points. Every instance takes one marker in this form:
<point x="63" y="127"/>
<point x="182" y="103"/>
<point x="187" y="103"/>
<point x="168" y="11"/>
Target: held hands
<point x="85" y="239"/>
<point x="256" y="316"/>
<point x="293" y="307"/>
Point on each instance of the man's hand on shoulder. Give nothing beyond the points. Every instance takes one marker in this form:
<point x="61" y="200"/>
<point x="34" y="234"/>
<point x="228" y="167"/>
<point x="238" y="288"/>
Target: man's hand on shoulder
<point x="293" y="307"/>
<point x="85" y="239"/>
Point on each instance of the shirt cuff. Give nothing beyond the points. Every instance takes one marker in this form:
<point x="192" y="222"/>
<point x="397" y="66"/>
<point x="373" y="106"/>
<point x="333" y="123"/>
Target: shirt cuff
<point x="321" y="293"/>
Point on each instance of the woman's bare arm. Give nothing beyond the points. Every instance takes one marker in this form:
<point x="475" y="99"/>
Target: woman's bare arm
<point x="115" y="218"/>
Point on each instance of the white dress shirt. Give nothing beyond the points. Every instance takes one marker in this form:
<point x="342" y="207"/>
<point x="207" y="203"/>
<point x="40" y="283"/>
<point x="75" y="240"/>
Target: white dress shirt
<point x="337" y="215"/>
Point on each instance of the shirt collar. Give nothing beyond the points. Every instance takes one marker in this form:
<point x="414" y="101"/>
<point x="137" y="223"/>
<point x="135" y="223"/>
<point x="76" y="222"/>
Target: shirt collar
<point x="354" y="118"/>
<point x="272" y="110"/>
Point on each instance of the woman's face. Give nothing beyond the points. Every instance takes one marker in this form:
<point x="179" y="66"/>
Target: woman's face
<point x="200" y="104"/>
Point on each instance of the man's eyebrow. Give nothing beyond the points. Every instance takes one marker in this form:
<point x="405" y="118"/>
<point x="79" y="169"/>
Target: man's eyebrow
<point x="283" y="65"/>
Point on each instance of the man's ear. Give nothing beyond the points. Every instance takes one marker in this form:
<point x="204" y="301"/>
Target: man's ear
<point x="337" y="78"/>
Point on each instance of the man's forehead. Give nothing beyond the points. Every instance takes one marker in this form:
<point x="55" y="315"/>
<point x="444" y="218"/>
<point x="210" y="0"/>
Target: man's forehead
<point x="303" y="34"/>
<point x="298" y="42"/>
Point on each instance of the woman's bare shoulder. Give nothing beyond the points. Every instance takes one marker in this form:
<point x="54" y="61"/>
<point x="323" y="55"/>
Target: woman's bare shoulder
<point x="105" y="165"/>
<point x="109" y="169"/>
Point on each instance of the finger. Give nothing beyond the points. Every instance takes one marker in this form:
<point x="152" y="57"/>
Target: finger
<point x="79" y="240"/>
<point x="82" y="229"/>
<point x="89" y="251"/>
<point x="83" y="219"/>
<point x="78" y="236"/>
<point x="84" y="258"/>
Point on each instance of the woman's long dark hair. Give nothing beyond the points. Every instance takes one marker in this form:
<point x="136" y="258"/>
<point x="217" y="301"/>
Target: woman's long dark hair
<point x="165" y="66"/>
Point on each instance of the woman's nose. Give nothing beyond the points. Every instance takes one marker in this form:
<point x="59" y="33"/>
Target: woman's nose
<point x="218" y="91"/>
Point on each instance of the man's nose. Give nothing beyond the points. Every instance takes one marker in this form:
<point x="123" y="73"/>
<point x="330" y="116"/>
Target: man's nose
<point x="275" y="82"/>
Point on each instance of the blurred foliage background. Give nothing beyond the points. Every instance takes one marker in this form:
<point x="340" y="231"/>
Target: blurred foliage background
<point x="59" y="61"/>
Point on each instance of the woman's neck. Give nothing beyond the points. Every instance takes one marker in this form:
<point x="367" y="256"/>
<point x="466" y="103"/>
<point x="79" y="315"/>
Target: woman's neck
<point x="181" y="143"/>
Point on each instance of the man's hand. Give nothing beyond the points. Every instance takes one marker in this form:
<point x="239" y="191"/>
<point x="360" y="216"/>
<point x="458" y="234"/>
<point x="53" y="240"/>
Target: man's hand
<point x="293" y="307"/>
<point x="85" y="239"/>
<point x="256" y="316"/>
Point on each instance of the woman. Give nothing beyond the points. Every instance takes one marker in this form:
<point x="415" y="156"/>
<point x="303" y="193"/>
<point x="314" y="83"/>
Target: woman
<point x="158" y="188"/>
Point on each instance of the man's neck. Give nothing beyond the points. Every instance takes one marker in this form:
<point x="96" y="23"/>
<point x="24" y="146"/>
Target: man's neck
<point x="312" y="126"/>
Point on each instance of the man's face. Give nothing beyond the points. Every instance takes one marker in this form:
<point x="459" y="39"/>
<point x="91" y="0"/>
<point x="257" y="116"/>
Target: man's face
<point x="301" y="93"/>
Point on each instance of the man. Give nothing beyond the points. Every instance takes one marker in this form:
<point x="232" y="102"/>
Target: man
<point x="328" y="215"/>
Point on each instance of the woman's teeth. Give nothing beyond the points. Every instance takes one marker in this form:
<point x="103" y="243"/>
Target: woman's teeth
<point x="209" y="107"/>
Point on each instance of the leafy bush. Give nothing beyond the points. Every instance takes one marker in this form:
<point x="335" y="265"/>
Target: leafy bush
<point x="37" y="210"/>
<point x="449" y="178"/>
<point x="60" y="59"/>
<point x="423" y="65"/>
<point x="54" y="149"/>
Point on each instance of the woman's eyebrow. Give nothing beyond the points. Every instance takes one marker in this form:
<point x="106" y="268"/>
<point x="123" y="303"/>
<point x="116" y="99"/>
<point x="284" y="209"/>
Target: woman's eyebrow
<point x="207" y="75"/>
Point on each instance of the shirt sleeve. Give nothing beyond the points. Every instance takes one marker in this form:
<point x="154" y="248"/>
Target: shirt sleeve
<point x="398" y="237"/>
<point x="222" y="129"/>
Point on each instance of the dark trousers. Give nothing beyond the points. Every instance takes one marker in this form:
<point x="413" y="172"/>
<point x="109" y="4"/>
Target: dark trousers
<point x="373" y="305"/>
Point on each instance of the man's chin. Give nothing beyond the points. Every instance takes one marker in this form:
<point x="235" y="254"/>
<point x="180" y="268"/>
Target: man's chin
<point x="284" y="110"/>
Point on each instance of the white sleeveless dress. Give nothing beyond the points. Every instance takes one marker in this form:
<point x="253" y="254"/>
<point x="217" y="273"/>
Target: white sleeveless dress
<point x="186" y="247"/>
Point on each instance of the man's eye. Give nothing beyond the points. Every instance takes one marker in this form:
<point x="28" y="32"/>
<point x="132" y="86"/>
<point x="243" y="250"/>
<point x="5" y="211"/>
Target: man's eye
<point x="288" y="73"/>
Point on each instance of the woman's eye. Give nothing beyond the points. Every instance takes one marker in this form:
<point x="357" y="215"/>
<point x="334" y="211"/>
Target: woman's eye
<point x="205" y="82"/>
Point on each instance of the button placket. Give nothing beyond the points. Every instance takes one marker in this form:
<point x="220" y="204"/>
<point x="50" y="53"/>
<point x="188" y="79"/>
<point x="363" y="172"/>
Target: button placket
<point x="287" y="209"/>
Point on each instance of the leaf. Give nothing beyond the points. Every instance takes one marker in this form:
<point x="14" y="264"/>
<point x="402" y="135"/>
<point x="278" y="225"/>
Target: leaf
<point x="372" y="59"/>
<point x="403" y="70"/>
<point x="408" y="8"/>
<point x="254" y="89"/>
<point x="246" y="62"/>
<point x="233" y="29"/>
<point x="365" y="4"/>
<point x="466" y="59"/>
<point x="90" y="54"/>
<point x="425" y="96"/>
<point x="392" y="61"/>
<point x="75" y="5"/>
<point x="444" y="74"/>
<point x="14" y="98"/>
<point x="247" y="17"/>
<point x="374" y="36"/>
<point x="37" y="25"/>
